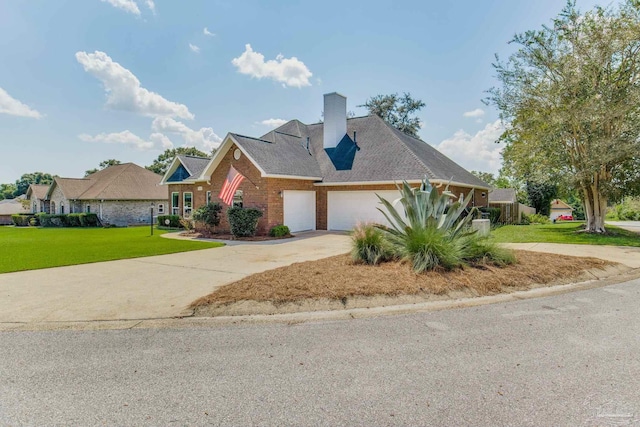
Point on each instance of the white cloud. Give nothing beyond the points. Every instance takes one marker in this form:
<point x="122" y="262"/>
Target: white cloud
<point x="124" y="91"/>
<point x="194" y="48"/>
<point x="127" y="5"/>
<point x="125" y="137"/>
<point x="151" y="5"/>
<point x="288" y="71"/>
<point x="204" y="138"/>
<point x="478" y="112"/>
<point x="273" y="123"/>
<point x="206" y="32"/>
<point x="476" y="152"/>
<point x="10" y="105"/>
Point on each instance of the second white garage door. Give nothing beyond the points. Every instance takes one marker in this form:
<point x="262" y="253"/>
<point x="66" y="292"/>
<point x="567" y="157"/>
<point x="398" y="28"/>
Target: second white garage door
<point x="299" y="210"/>
<point x="346" y="208"/>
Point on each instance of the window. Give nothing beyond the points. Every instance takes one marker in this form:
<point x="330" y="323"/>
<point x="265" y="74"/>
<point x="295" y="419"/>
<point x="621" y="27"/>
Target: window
<point x="35" y="207"/>
<point x="187" y="203"/>
<point x="208" y="197"/>
<point x="237" y="199"/>
<point x="175" y="202"/>
<point x="88" y="208"/>
<point x="61" y="208"/>
<point x="160" y="208"/>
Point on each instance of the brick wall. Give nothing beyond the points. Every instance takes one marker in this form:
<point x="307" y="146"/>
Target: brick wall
<point x="123" y="212"/>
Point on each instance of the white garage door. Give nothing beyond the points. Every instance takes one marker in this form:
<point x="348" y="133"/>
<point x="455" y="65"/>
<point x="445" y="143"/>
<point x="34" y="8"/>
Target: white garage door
<point x="346" y="208"/>
<point x="299" y="210"/>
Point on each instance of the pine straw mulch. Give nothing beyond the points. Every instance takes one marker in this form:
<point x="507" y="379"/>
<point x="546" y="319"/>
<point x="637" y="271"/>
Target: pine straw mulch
<point x="338" y="278"/>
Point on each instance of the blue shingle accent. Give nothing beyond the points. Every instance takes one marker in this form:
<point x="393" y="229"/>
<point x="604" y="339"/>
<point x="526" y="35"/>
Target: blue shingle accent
<point x="179" y="175"/>
<point x="343" y="154"/>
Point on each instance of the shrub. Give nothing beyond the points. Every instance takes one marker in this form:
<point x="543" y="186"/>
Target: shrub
<point x="208" y="214"/>
<point x="628" y="210"/>
<point x="174" y="221"/>
<point x="89" y="220"/>
<point x="431" y="235"/>
<point x="368" y="245"/>
<point x="21" y="220"/>
<point x="33" y="222"/>
<point x="535" y="219"/>
<point x="187" y="224"/>
<point x="481" y="250"/>
<point x="243" y="221"/>
<point x="73" y="220"/>
<point x="494" y="214"/>
<point x="279" y="231"/>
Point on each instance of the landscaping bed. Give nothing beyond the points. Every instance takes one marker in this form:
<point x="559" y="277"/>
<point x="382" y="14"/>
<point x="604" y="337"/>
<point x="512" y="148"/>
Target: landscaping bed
<point x="338" y="283"/>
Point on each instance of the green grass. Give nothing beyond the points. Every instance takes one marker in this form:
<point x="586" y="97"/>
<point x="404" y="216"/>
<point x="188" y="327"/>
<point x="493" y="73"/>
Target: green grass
<point x="566" y="232"/>
<point x="33" y="248"/>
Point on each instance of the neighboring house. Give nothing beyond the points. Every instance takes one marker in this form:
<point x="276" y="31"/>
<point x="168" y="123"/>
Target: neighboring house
<point x="511" y="210"/>
<point x="10" y="207"/>
<point x="322" y="176"/>
<point x="558" y="207"/>
<point x="121" y="195"/>
<point x="37" y="195"/>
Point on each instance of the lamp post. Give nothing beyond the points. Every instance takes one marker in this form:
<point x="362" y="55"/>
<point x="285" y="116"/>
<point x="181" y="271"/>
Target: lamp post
<point x="151" y="217"/>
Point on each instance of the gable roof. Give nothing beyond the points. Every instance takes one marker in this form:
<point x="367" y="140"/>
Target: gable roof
<point x="194" y="165"/>
<point x="126" y="181"/>
<point x="559" y="204"/>
<point x="503" y="195"/>
<point x="379" y="154"/>
<point x="38" y="190"/>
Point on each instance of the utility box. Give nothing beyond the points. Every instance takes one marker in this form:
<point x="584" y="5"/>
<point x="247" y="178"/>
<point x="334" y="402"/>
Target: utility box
<point x="483" y="226"/>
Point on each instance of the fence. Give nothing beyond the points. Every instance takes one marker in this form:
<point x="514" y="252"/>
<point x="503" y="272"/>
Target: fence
<point x="511" y="213"/>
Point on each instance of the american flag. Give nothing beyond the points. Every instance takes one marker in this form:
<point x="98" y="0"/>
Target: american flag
<point x="231" y="184"/>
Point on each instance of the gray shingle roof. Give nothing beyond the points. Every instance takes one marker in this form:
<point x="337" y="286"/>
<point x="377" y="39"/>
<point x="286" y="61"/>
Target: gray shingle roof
<point x="281" y="155"/>
<point x="195" y="165"/>
<point x="384" y="154"/>
<point x="506" y="195"/>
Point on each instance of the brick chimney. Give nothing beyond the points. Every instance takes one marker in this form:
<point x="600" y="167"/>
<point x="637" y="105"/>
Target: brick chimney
<point x="335" y="119"/>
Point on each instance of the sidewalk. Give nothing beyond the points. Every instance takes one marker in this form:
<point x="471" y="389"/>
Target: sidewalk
<point x="625" y="255"/>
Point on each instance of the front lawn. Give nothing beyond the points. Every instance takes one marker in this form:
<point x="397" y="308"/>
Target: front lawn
<point x="565" y="232"/>
<point x="33" y="248"/>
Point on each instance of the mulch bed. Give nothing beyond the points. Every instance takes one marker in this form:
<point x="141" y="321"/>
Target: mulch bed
<point x="338" y="277"/>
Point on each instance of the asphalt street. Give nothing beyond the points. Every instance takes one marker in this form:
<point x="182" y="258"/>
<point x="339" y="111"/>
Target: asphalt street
<point x="571" y="360"/>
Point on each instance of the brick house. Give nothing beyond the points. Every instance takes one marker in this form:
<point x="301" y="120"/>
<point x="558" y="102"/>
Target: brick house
<point x="323" y="176"/>
<point x="120" y="195"/>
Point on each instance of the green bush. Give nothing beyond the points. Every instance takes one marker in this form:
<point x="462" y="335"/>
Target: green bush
<point x="279" y="231"/>
<point x="481" y="250"/>
<point x="33" y="222"/>
<point x="535" y="219"/>
<point x="628" y="210"/>
<point x="68" y="220"/>
<point x="369" y="246"/>
<point x="208" y="214"/>
<point x="21" y="220"/>
<point x="174" y="221"/>
<point x="73" y="220"/>
<point x="494" y="214"/>
<point x="243" y="221"/>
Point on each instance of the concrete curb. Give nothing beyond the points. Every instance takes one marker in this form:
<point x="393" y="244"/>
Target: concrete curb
<point x="318" y="316"/>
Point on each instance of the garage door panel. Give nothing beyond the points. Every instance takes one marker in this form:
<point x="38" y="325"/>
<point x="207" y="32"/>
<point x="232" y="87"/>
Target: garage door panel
<point x="345" y="209"/>
<point x="299" y="208"/>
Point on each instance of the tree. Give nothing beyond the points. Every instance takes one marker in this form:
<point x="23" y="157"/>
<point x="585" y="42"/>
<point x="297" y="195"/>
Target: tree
<point x="571" y="97"/>
<point x="397" y="110"/>
<point x="161" y="164"/>
<point x="6" y="191"/>
<point x="22" y="184"/>
<point x="487" y="177"/>
<point x="540" y="196"/>
<point x="103" y="165"/>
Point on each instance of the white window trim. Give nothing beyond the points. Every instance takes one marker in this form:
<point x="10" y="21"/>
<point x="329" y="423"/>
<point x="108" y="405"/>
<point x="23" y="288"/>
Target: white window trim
<point x="175" y="210"/>
<point x="160" y="208"/>
<point x="184" y="204"/>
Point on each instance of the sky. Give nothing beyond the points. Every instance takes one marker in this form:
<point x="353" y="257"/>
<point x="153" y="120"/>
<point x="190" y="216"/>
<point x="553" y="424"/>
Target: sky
<point x="83" y="81"/>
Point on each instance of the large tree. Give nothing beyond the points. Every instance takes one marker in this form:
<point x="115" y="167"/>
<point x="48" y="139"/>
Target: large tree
<point x="161" y="164"/>
<point x="397" y="110"/>
<point x="571" y="97"/>
<point x="103" y="165"/>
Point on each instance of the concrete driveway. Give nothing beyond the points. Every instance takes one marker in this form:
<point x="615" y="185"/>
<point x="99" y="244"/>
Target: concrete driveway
<point x="152" y="287"/>
<point x="627" y="225"/>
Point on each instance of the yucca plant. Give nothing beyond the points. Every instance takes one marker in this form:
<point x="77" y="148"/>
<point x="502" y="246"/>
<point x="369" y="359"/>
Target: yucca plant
<point x="432" y="233"/>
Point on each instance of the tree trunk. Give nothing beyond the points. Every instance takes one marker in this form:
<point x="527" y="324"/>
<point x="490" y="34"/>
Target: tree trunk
<point x="595" y="207"/>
